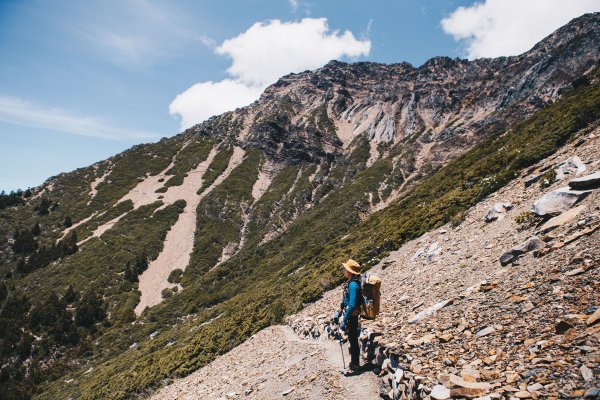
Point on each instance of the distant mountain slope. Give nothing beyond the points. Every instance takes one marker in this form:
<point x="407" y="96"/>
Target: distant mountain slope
<point x="268" y="199"/>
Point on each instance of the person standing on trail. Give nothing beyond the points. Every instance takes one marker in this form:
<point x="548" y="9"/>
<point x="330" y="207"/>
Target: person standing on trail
<point x="350" y="309"/>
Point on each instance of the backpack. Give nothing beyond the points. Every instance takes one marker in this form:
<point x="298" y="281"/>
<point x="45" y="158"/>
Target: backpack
<point x="370" y="289"/>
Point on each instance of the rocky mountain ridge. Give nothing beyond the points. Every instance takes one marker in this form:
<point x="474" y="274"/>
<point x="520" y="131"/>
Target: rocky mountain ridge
<point x="161" y="257"/>
<point x="442" y="99"/>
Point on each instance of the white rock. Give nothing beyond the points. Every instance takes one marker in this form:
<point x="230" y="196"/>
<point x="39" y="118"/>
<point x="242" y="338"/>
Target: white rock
<point x="586" y="373"/>
<point x="429" y="311"/>
<point x="497" y="211"/>
<point x="440" y="392"/>
<point x="573" y="166"/>
<point x="557" y="201"/>
<point x="486" y="331"/>
<point x="535" y="387"/>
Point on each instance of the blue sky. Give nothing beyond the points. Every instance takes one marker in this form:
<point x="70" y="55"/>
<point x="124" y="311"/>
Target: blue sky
<point x="83" y="80"/>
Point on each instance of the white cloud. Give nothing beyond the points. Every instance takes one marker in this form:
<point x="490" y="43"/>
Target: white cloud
<point x="496" y="28"/>
<point x="205" y="99"/>
<point x="20" y="112"/>
<point x="262" y="54"/>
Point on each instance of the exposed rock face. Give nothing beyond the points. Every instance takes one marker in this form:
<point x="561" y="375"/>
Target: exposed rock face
<point x="437" y="108"/>
<point x="425" y="116"/>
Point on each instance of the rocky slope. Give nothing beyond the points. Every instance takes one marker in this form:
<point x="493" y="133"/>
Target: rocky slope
<point x="527" y="329"/>
<point x="168" y="254"/>
<point x="524" y="330"/>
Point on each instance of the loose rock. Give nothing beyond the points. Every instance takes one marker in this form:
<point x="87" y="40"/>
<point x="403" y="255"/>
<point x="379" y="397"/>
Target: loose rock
<point x="558" y="201"/>
<point x="497" y="211"/>
<point x="591" y="181"/>
<point x="440" y="392"/>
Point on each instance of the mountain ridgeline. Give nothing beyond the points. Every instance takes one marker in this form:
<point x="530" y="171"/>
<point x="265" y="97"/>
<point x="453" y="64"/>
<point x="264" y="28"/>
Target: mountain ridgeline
<point x="122" y="275"/>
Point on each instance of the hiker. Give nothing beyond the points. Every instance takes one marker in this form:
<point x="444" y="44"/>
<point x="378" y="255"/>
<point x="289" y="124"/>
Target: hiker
<point x="350" y="310"/>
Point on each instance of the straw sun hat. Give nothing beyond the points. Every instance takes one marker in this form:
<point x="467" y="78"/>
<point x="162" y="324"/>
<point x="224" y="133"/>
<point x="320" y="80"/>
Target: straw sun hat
<point x="352" y="266"/>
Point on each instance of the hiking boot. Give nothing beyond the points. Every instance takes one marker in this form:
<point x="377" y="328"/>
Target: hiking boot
<point x="353" y="369"/>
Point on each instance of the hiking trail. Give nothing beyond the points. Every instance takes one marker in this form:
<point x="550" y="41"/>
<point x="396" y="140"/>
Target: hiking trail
<point x="275" y="363"/>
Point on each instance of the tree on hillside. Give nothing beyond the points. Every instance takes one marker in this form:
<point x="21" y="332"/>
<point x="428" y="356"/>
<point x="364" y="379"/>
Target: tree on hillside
<point x="3" y="291"/>
<point x="36" y="229"/>
<point x="10" y="200"/>
<point x="91" y="310"/>
<point x="42" y="208"/>
<point x="68" y="245"/>
<point x="50" y="318"/>
<point x="24" y="242"/>
<point x="132" y="272"/>
<point x="70" y="295"/>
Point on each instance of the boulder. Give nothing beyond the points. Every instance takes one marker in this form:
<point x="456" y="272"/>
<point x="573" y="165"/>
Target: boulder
<point x="433" y="252"/>
<point x="497" y="211"/>
<point x="562" y="326"/>
<point x="591" y="181"/>
<point x="561" y="219"/>
<point x="572" y="167"/>
<point x="592" y="393"/>
<point x="557" y="201"/>
<point x="534" y="243"/>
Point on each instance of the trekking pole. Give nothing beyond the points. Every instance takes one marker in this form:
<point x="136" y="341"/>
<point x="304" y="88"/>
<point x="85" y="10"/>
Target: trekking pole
<point x="339" y="337"/>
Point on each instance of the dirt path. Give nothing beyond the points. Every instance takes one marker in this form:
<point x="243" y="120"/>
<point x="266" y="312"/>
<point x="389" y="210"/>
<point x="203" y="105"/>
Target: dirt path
<point x="273" y="364"/>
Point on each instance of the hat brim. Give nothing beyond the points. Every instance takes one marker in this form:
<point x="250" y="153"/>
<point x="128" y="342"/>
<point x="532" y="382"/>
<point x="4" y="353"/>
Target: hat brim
<point x="347" y="268"/>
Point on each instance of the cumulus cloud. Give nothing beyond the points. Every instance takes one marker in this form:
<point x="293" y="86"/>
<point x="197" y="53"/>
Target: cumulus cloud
<point x="259" y="56"/>
<point x="206" y="99"/>
<point x="496" y="28"/>
<point x="269" y="50"/>
<point x="20" y="112"/>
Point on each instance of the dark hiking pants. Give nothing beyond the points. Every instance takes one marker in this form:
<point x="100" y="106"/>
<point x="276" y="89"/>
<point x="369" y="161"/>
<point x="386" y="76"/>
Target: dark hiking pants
<point x="353" y="339"/>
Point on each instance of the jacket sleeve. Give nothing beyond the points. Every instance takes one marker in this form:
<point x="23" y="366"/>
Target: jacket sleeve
<point x="354" y="289"/>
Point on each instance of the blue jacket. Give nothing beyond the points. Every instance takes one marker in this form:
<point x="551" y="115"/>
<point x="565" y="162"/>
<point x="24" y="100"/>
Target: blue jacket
<point x="352" y="299"/>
